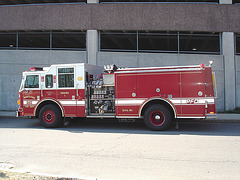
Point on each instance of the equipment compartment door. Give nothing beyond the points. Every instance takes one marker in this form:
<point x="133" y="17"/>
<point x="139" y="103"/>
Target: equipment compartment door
<point x="66" y="92"/>
<point x="126" y="95"/>
<point x="193" y="94"/>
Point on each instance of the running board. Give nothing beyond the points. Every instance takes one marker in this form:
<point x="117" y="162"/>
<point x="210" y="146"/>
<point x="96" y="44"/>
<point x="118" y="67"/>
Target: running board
<point x="97" y="116"/>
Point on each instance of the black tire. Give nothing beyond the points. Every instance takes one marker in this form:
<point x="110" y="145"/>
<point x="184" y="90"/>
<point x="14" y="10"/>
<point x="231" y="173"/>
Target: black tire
<point x="50" y="116"/>
<point x="158" y="117"/>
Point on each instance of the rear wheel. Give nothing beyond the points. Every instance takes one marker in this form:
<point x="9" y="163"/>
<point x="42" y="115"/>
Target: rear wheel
<point x="158" y="117"/>
<point x="50" y="116"/>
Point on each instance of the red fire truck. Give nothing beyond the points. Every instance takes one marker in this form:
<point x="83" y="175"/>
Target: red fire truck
<point x="157" y="94"/>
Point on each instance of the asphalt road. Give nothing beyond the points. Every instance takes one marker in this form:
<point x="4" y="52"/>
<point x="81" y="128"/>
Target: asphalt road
<point x="99" y="149"/>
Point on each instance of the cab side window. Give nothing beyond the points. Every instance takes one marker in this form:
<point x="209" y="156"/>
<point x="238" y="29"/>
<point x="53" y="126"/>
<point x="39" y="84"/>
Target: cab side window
<point x="32" y="81"/>
<point x="49" y="81"/>
<point x="65" y="77"/>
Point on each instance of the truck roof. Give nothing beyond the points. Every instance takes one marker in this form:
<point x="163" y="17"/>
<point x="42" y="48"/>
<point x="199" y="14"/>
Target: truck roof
<point x="37" y="70"/>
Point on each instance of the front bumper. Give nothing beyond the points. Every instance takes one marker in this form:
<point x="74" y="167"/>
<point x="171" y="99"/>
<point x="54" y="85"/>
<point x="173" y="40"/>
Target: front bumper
<point x="211" y="116"/>
<point x="19" y="113"/>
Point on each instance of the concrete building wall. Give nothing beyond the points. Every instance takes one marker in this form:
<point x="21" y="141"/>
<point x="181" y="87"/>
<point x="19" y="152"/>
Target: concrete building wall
<point x="237" y="60"/>
<point x="123" y="16"/>
<point x="13" y="63"/>
<point x="153" y="59"/>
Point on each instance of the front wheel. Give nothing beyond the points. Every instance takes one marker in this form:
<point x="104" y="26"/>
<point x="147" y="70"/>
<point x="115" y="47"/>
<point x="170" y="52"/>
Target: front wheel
<point x="50" y="116"/>
<point x="158" y="117"/>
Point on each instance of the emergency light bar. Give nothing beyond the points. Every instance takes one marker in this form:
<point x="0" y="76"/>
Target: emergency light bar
<point x="36" y="69"/>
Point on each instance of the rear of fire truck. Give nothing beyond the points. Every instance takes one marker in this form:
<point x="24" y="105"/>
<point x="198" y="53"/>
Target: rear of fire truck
<point x="161" y="94"/>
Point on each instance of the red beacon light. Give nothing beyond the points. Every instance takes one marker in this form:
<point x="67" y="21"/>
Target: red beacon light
<point x="36" y="69"/>
<point x="202" y="66"/>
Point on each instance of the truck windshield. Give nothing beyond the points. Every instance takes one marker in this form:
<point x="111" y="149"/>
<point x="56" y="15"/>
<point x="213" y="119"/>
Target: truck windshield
<point x="32" y="81"/>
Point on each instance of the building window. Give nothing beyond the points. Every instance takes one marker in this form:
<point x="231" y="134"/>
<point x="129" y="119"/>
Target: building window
<point x="159" y="1"/>
<point x="166" y="42"/>
<point x="199" y="43"/>
<point x="236" y="1"/>
<point x="157" y="42"/>
<point x="33" y="40"/>
<point x="68" y="40"/>
<point x="118" y="41"/>
<point x="46" y="40"/>
<point x="24" y="2"/>
<point x="8" y="40"/>
<point x="238" y="44"/>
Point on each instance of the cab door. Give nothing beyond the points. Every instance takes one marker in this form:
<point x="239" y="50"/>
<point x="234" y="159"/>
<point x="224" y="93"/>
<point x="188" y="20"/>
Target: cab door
<point x="49" y="86"/>
<point x="31" y="93"/>
<point x="66" y="90"/>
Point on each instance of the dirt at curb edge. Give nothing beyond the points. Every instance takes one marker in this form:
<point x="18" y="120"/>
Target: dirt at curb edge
<point x="27" y="176"/>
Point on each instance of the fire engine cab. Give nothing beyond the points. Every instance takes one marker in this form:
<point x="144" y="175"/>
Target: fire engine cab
<point x="156" y="94"/>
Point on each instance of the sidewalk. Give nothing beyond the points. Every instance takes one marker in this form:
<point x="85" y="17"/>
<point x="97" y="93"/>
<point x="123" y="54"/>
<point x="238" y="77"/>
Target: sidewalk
<point x="7" y="113"/>
<point x="220" y="117"/>
<point x="227" y="117"/>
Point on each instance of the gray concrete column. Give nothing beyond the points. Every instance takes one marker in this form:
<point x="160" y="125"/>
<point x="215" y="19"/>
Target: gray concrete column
<point x="92" y="41"/>
<point x="92" y="1"/>
<point x="229" y="68"/>
<point x="92" y="46"/>
<point x="225" y="1"/>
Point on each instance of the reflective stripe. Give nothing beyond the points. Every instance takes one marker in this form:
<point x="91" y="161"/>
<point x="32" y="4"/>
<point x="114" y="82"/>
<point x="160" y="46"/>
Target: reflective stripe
<point x="30" y="102"/>
<point x="72" y="103"/>
<point x="34" y="102"/>
<point x="133" y="101"/>
<point x="68" y="102"/>
<point x="81" y="103"/>
<point x="210" y="100"/>
<point x="63" y="102"/>
<point x="175" y="101"/>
